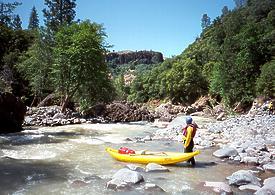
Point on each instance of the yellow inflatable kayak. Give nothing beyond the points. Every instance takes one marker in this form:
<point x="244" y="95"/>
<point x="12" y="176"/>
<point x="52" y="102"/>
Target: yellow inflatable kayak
<point x="145" y="157"/>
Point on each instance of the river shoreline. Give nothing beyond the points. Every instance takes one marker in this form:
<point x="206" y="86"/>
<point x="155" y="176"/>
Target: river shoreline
<point x="211" y="136"/>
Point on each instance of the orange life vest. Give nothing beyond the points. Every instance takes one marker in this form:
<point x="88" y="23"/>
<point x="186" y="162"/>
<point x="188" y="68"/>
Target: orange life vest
<point x="194" y="126"/>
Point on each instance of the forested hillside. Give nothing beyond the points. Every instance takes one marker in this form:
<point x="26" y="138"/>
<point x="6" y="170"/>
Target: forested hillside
<point x="232" y="60"/>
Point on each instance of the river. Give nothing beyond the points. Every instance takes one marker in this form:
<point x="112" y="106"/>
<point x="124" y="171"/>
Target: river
<point x="72" y="160"/>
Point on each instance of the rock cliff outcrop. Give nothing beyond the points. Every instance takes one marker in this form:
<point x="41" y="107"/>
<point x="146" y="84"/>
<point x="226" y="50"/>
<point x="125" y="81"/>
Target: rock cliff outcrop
<point x="131" y="57"/>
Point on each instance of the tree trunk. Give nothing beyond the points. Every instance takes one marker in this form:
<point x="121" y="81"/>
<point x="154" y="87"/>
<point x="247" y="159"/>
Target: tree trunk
<point x="34" y="101"/>
<point x="65" y="104"/>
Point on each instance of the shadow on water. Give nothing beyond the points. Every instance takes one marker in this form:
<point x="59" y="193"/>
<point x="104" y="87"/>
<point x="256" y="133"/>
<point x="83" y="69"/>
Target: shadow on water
<point x="199" y="164"/>
<point x="16" y="174"/>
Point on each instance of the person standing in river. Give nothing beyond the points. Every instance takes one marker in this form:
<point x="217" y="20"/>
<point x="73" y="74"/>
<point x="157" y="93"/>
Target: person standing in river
<point x="189" y="132"/>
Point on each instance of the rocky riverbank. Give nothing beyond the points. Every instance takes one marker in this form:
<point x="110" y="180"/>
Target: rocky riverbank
<point x="100" y="113"/>
<point x="248" y="139"/>
<point x="121" y="111"/>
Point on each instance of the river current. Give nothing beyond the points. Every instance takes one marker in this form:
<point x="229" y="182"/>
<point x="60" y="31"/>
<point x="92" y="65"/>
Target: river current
<point x="72" y="160"/>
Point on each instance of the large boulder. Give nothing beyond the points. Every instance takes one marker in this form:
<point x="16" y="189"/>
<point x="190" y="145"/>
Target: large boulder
<point x="12" y="113"/>
<point x="268" y="188"/>
<point x="270" y="166"/>
<point x="124" y="178"/>
<point x="243" y="177"/>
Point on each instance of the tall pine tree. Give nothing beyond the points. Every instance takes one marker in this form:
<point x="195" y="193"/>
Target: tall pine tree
<point x="6" y="13"/>
<point x="17" y="23"/>
<point x="240" y="3"/>
<point x="33" y="21"/>
<point x="225" y="10"/>
<point x="205" y="21"/>
<point x="59" y="12"/>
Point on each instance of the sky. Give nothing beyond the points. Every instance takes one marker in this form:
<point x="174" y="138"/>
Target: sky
<point x="167" y="26"/>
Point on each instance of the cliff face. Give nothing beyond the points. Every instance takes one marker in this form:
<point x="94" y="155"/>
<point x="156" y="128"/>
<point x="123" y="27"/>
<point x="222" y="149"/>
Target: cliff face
<point x="130" y="57"/>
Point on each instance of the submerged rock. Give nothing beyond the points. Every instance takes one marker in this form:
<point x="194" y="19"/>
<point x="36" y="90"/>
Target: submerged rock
<point x="135" y="168"/>
<point x="219" y="187"/>
<point x="153" y="188"/>
<point x="153" y="167"/>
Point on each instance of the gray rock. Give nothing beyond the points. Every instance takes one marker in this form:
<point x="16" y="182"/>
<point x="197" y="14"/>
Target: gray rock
<point x="147" y="138"/>
<point x="268" y="188"/>
<point x="135" y="168"/>
<point x="207" y="143"/>
<point x="265" y="191"/>
<point x="153" y="167"/>
<point x="251" y="160"/>
<point x="124" y="178"/>
<point x="237" y="158"/>
<point x="153" y="187"/>
<point x="270" y="182"/>
<point x="225" y="152"/>
<point x="249" y="187"/>
<point x="116" y="184"/>
<point x="59" y="115"/>
<point x="83" y="120"/>
<point x="76" y="121"/>
<point x="270" y="166"/>
<point x="219" y="187"/>
<point x="243" y="177"/>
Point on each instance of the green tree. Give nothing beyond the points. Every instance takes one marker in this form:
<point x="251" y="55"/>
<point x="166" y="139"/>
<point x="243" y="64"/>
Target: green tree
<point x="225" y="10"/>
<point x="33" y="21"/>
<point x="17" y="23"/>
<point x="240" y="3"/>
<point x="13" y="43"/>
<point x="79" y="70"/>
<point x="35" y="65"/>
<point x="205" y="21"/>
<point x="59" y="12"/>
<point x="266" y="82"/>
<point x="6" y="13"/>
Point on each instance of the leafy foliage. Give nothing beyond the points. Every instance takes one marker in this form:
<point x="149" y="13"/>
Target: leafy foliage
<point x="266" y="81"/>
<point x="231" y="59"/>
<point x="35" y="65"/>
<point x="79" y="70"/>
